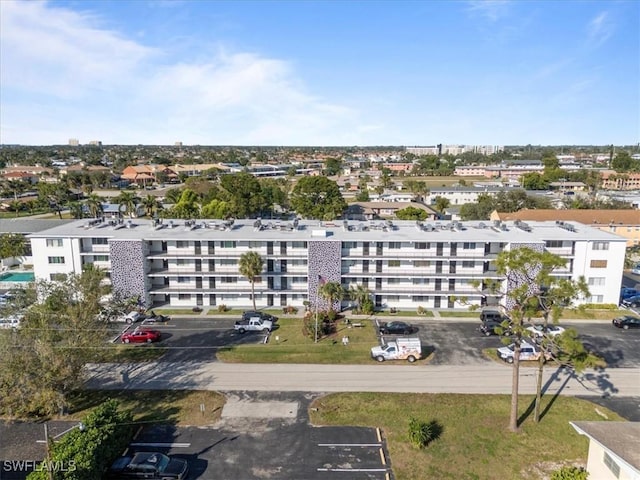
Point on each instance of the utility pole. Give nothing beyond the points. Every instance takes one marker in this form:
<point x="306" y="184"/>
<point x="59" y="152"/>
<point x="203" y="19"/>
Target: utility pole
<point x="48" y="451"/>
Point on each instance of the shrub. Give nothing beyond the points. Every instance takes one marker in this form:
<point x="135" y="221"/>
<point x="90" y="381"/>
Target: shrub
<point x="222" y="308"/>
<point x="86" y="453"/>
<point x="196" y="309"/>
<point x="422" y="310"/>
<point x="367" y="307"/>
<point x="570" y="473"/>
<point x="289" y="310"/>
<point x="421" y="434"/>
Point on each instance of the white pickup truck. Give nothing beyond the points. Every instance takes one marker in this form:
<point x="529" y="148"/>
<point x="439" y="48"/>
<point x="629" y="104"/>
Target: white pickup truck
<point x="402" y="348"/>
<point x="253" y="324"/>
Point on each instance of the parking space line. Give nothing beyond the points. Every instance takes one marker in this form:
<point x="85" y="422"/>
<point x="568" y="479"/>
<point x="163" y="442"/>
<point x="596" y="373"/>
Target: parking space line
<point x="351" y="469"/>
<point x="160" y="445"/>
<point x="349" y="444"/>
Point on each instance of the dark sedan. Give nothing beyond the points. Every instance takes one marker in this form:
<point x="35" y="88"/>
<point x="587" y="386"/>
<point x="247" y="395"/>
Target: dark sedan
<point x="396" y="328"/>
<point x="626" y="322"/>
<point x="149" y="465"/>
<point x="632" y="301"/>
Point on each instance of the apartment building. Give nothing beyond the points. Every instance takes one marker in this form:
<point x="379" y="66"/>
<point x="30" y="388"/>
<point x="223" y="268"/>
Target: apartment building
<point x="404" y="264"/>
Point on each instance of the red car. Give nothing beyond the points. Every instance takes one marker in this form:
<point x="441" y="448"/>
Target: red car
<point x="141" y="336"/>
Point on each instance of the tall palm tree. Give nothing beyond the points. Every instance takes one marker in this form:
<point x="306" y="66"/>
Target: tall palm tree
<point x="332" y="292"/>
<point x="251" y="264"/>
<point x="94" y="205"/>
<point x="128" y="201"/>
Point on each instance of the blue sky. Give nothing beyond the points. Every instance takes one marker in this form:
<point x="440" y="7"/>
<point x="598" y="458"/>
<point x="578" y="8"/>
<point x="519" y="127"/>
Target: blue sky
<point x="320" y="73"/>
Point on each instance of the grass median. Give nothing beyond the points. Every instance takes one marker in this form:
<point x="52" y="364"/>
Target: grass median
<point x="475" y="443"/>
<point x="288" y="344"/>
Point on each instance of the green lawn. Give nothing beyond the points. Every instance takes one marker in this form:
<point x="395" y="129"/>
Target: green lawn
<point x="287" y="344"/>
<point x="475" y="443"/>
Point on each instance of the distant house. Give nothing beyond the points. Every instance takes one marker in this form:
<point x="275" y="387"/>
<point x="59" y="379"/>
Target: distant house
<point x="614" y="449"/>
<point x="377" y="210"/>
<point x="625" y="223"/>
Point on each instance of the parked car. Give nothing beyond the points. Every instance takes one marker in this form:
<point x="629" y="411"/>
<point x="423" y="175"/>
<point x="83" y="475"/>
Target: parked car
<point x="495" y="327"/>
<point x="395" y="328"/>
<point x="132" y="317"/>
<point x="626" y="292"/>
<point x="636" y="269"/>
<point x="492" y="315"/>
<point x="141" y="336"/>
<point x="151" y="465"/>
<point x="154" y="317"/>
<point x="246" y="315"/>
<point x="539" y="331"/>
<point x="632" y="302"/>
<point x="12" y="321"/>
<point x="528" y="352"/>
<point x="626" y="322"/>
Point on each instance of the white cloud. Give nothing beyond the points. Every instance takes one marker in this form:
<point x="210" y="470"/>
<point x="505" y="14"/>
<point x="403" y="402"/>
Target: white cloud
<point x="600" y="28"/>
<point x="492" y="10"/>
<point x="112" y="88"/>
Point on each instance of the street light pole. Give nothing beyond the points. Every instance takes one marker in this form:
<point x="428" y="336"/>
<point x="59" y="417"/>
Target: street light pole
<point x="48" y="451"/>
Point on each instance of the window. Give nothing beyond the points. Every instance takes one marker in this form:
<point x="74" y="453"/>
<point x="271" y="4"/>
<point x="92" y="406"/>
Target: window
<point x="420" y="298"/>
<point x="184" y="296"/>
<point x="229" y="280"/>
<point x="393" y="298"/>
<point x="349" y="245"/>
<point x="611" y="464"/>
<point x="57" y="277"/>
<point x="421" y="246"/>
<point x="393" y="263"/>
<point x="468" y="246"/>
<point x="255" y="244"/>
<point x="596" y="299"/>
<point x="393" y="281"/>
<point x="598" y="264"/>
<point x="182" y="261"/>
<point x="228" y="244"/>
<point x="395" y="245"/>
<point x="553" y="243"/>
<point x="54" y="242"/>
<point x="227" y="261"/>
<point x="421" y="263"/>
<point x="101" y="258"/>
<point x="468" y="264"/>
<point x="56" y="259"/>
<point x="182" y="244"/>
<point x="298" y="244"/>
<point x="421" y="281"/>
<point x="596" y="281"/>
<point x="183" y="279"/>
<point x="600" y="246"/>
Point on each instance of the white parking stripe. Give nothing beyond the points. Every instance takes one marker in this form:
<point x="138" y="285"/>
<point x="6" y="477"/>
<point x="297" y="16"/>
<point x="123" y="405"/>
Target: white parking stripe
<point x="351" y="469"/>
<point x="161" y="445"/>
<point x="349" y="444"/>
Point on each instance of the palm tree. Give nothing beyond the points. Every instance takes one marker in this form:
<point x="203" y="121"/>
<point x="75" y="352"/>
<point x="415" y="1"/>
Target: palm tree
<point x="94" y="205"/>
<point x="360" y="294"/>
<point x="76" y="209"/>
<point x="251" y="264"/>
<point x="127" y="202"/>
<point x="151" y="205"/>
<point x="332" y="292"/>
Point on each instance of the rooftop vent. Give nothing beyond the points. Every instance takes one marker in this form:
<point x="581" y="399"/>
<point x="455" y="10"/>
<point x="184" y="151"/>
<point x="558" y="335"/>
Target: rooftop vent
<point x="522" y="226"/>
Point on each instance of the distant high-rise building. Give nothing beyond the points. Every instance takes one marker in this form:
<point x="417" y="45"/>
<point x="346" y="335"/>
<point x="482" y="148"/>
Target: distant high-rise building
<point x="97" y="143"/>
<point x="441" y="149"/>
<point x="74" y="142"/>
<point x="178" y="144"/>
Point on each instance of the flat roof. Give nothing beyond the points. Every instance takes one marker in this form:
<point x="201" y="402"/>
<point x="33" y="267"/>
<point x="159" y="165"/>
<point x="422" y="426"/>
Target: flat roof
<point x="375" y="230"/>
<point x="621" y="438"/>
<point x="30" y="225"/>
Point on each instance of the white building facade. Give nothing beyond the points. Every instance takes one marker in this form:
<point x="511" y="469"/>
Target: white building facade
<point x="403" y="264"/>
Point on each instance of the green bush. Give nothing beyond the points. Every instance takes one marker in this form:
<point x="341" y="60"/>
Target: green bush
<point x="570" y="473"/>
<point x="600" y="306"/>
<point x="421" y="310"/>
<point x="85" y="453"/>
<point x="222" y="308"/>
<point x="367" y="307"/>
<point x="421" y="434"/>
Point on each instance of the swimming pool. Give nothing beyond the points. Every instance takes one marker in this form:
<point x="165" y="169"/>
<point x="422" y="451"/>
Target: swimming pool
<point x="17" y="277"/>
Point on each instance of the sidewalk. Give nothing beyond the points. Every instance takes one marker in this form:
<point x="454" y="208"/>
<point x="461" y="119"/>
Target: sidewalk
<point x="436" y="316"/>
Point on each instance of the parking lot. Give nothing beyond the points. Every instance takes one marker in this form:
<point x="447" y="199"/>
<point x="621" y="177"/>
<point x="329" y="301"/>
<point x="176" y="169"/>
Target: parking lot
<point x="267" y="435"/>
<point x="452" y="341"/>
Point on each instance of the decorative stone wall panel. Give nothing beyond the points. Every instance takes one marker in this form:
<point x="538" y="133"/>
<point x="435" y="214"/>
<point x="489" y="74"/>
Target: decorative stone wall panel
<point x="514" y="280"/>
<point x="325" y="265"/>
<point x="128" y="271"/>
